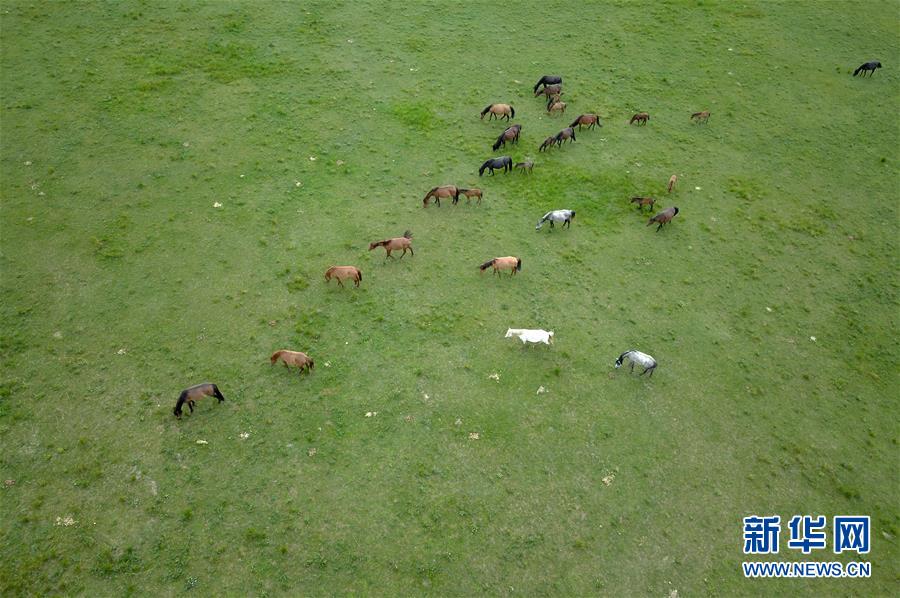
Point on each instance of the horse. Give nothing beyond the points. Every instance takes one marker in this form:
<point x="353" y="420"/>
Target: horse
<point x="530" y="336"/>
<point x="548" y="80"/>
<point x="470" y="193"/>
<point x="511" y="263"/>
<point x="504" y="110"/>
<point x="510" y="134"/>
<point x="663" y="217"/>
<point x="556" y="107"/>
<point x="701" y="116"/>
<point x="643" y="201"/>
<point x="341" y="273"/>
<point x="297" y="358"/>
<point x="444" y="191"/>
<point x="590" y="120"/>
<point x="636" y="357"/>
<point x="548" y="142"/>
<point x="504" y="162"/>
<point x="549" y="90"/>
<point x="641" y="117"/>
<point x="564" y="216"/>
<point x="567" y="133"/>
<point x="867" y="67"/>
<point x="404" y="243"/>
<point x="672" y="180"/>
<point x="195" y="393"/>
<point x="526" y="166"/>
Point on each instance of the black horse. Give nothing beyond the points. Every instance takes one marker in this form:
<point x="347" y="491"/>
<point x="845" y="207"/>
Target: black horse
<point x="504" y="162"/>
<point x="869" y="66"/>
<point x="548" y="80"/>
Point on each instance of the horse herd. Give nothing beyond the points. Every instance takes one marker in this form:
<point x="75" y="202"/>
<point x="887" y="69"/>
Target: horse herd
<point x="549" y="86"/>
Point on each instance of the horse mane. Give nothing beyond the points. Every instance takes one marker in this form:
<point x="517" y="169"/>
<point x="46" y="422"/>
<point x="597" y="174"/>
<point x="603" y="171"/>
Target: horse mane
<point x="407" y="235"/>
<point x="486" y="265"/>
<point x="575" y="122"/>
<point x="275" y="355"/>
<point x="485" y="111"/>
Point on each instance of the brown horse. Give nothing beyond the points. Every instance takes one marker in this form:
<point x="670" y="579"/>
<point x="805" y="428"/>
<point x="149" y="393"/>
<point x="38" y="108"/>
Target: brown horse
<point x="511" y="263"/>
<point x="556" y="107"/>
<point x="470" y="193"/>
<point x="342" y="273"/>
<point x="672" y="180"/>
<point x="511" y="134"/>
<point x="549" y="90"/>
<point x="567" y="133"/>
<point x="404" y="243"/>
<point x="643" y="201"/>
<point x="195" y="393"/>
<point x="663" y="217"/>
<point x="641" y="117"/>
<point x="444" y="191"/>
<point x="588" y="120"/>
<point x="526" y="166"/>
<point x="548" y="142"/>
<point x="499" y="111"/>
<point x="297" y="358"/>
<point x="701" y="116"/>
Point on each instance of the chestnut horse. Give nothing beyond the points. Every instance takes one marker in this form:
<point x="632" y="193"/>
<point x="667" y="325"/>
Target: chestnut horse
<point x="341" y="273"/>
<point x="549" y="90"/>
<point x="511" y="263"/>
<point x="672" y="180"/>
<point x="195" y="393"/>
<point x="404" y="243"/>
<point x="444" y="191"/>
<point x="297" y="358"/>
<point x="511" y="134"/>
<point x="641" y="117"/>
<point x="503" y="110"/>
<point x="588" y="120"/>
<point x="643" y="201"/>
<point x="470" y="193"/>
<point x="701" y="116"/>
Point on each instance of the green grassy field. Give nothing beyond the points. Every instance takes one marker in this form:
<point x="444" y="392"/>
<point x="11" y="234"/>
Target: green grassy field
<point x="770" y="301"/>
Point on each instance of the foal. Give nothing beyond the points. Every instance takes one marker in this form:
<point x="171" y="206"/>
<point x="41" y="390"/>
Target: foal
<point x="672" y="180"/>
<point x="195" y="393"/>
<point x="701" y="116"/>
<point x="643" y="201"/>
<point x="297" y="358"/>
<point x="549" y="90"/>
<point x="342" y="273"/>
<point x="511" y="263"/>
<point x="641" y="117"/>
<point x="470" y="193"/>
<point x="404" y="243"/>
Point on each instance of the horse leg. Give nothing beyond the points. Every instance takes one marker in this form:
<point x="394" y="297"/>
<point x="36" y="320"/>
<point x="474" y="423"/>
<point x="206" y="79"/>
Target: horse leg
<point x="340" y="283"/>
<point x="660" y="226"/>
<point x="191" y="405"/>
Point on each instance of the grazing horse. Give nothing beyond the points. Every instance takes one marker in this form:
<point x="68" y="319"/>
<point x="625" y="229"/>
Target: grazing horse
<point x="567" y="133"/>
<point x="663" y="217"/>
<point x="470" y="193"/>
<point x="503" y="110"/>
<point x="589" y="120"/>
<point x="504" y="162"/>
<point x="643" y="201"/>
<point x="564" y="216"/>
<point x="511" y="134"/>
<point x="342" y="273"/>
<point x="444" y="191"/>
<point x="867" y="67"/>
<point x="511" y="263"/>
<point x="641" y="117"/>
<point x="549" y="90"/>
<point x="548" y="142"/>
<point x="548" y="80"/>
<point x="297" y="358"/>
<point x="526" y="166"/>
<point x="672" y="180"/>
<point x="195" y="393"/>
<point x="556" y="106"/>
<point x="404" y="243"/>
<point x="701" y="116"/>
<point x="636" y="357"/>
<point x="530" y="336"/>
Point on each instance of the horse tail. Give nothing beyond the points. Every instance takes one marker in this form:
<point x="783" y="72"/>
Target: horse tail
<point x="856" y="72"/>
<point x="486" y="265"/>
<point x="275" y="356"/>
<point x="513" y="110"/>
<point x="359" y="275"/>
<point x="218" y="394"/>
<point x="518" y="264"/>
<point x="485" y="111"/>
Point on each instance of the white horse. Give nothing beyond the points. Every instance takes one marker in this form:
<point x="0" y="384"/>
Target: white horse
<point x="564" y="216"/>
<point x="636" y="357"/>
<point x="531" y="336"/>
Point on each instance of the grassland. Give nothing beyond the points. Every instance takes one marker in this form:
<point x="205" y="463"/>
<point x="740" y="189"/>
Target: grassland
<point x="770" y="302"/>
